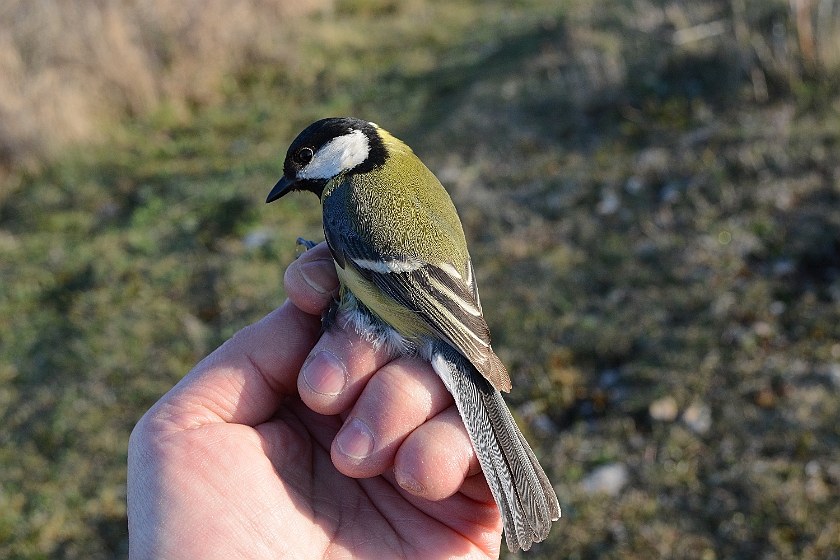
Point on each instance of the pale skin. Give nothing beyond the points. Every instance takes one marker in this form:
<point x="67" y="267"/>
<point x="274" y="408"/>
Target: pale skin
<point x="287" y="444"/>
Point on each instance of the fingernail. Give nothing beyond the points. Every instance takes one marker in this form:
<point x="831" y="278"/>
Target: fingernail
<point x="408" y="482"/>
<point x="320" y="275"/>
<point x="355" y="439"/>
<point x="325" y="373"/>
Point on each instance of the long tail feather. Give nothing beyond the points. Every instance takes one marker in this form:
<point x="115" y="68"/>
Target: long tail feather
<point x="522" y="491"/>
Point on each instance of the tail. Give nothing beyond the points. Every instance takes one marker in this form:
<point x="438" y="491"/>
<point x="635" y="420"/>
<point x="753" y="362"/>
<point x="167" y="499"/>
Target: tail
<point x="521" y="489"/>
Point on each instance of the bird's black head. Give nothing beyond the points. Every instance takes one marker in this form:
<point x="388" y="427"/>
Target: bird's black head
<point x="325" y="149"/>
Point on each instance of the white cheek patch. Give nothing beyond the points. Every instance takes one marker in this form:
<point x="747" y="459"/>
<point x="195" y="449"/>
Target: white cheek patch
<point x="337" y="155"/>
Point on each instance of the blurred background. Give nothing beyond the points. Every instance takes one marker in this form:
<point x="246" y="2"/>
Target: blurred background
<point x="650" y="189"/>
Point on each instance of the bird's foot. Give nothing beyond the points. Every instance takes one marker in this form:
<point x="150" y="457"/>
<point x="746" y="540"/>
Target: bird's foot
<point x="306" y="245"/>
<point x="328" y="316"/>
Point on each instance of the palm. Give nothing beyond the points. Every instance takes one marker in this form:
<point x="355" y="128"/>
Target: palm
<point x="371" y="515"/>
<point x="254" y="492"/>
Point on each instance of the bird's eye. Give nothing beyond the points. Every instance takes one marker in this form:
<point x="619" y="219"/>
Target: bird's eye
<point x="305" y="155"/>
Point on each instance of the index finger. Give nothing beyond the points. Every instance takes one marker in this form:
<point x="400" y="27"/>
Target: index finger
<point x="310" y="281"/>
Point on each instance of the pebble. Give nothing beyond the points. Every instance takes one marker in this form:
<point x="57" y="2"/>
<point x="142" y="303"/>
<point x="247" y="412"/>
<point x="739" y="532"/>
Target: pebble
<point x="664" y="409"/>
<point x="698" y="418"/>
<point x="610" y="203"/>
<point x="834" y="372"/>
<point x="607" y="479"/>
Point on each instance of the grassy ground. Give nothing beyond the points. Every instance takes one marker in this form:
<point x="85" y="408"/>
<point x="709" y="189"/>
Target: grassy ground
<point x="650" y="191"/>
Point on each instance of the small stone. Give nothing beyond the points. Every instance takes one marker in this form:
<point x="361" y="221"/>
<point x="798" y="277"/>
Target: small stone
<point x="817" y="490"/>
<point x="609" y="378"/>
<point x="543" y="425"/>
<point x="664" y="409"/>
<point x="763" y="329"/>
<point x="833" y="473"/>
<point x="834" y="374"/>
<point x="609" y="204"/>
<point x="698" y="418"/>
<point x="256" y="239"/>
<point x="634" y="185"/>
<point x="607" y="479"/>
<point x="783" y="268"/>
<point x="532" y="413"/>
<point x="765" y="398"/>
<point x="669" y="193"/>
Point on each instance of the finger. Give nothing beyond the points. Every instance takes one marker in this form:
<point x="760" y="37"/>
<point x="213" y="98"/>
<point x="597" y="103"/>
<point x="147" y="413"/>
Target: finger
<point x="475" y="488"/>
<point x="246" y="379"/>
<point x="310" y="281"/>
<point x="396" y="400"/>
<point x="435" y="460"/>
<point x="337" y="369"/>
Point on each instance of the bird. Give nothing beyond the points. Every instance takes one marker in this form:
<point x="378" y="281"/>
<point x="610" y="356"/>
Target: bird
<point x="407" y="282"/>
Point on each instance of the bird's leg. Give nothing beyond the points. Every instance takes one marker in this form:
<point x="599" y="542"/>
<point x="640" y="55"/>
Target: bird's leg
<point x="328" y="316"/>
<point x="306" y="244"/>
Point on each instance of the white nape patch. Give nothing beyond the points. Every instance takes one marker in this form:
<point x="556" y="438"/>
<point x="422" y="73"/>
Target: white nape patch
<point x="388" y="267"/>
<point x="339" y="154"/>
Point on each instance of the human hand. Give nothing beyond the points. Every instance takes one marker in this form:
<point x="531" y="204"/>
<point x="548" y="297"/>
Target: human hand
<point x="357" y="456"/>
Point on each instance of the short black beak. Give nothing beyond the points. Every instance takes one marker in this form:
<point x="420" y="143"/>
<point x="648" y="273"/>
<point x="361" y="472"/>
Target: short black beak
<point x="282" y="187"/>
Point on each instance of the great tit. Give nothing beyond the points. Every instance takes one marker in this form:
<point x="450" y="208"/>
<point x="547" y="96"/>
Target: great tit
<point x="407" y="282"/>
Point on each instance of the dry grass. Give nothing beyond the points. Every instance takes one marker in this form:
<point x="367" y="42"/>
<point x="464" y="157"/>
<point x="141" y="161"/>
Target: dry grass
<point x="69" y="70"/>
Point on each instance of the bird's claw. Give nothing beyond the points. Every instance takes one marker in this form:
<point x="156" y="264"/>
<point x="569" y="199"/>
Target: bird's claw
<point x="328" y="316"/>
<point x="306" y="244"/>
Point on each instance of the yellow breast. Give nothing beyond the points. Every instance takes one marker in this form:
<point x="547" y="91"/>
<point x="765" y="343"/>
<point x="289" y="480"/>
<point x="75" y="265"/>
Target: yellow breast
<point x="407" y="323"/>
